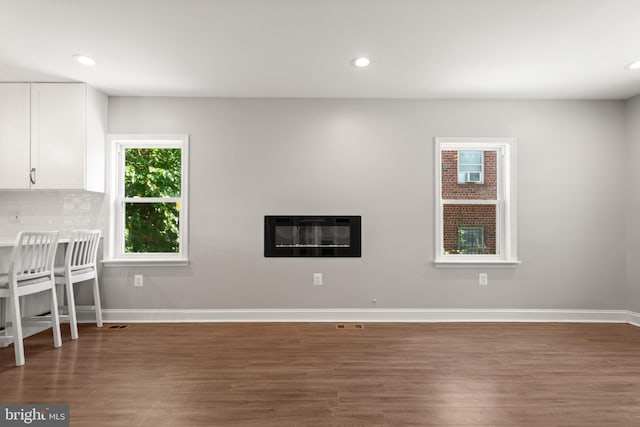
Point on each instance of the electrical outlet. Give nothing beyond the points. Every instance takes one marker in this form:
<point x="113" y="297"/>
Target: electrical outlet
<point x="138" y="280"/>
<point x="483" y="279"/>
<point x="317" y="279"/>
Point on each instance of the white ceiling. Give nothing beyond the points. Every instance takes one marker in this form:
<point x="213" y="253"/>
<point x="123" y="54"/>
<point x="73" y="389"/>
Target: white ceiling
<point x="566" y="49"/>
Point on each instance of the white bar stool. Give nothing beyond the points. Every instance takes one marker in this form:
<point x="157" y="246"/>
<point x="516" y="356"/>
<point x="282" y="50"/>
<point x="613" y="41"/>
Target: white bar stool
<point x="30" y="272"/>
<point x="80" y="265"/>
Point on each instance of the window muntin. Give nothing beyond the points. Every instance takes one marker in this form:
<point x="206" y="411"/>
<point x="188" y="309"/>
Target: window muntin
<point x="475" y="222"/>
<point x="150" y="200"/>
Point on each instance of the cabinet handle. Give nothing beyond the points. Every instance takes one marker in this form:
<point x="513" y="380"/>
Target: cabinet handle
<point x="32" y="176"/>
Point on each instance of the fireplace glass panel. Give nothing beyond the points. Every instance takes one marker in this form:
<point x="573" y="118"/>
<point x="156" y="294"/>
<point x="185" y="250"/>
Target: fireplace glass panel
<point x="313" y="236"/>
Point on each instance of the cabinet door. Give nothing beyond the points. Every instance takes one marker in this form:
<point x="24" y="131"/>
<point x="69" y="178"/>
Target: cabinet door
<point x="14" y="135"/>
<point x="58" y="135"/>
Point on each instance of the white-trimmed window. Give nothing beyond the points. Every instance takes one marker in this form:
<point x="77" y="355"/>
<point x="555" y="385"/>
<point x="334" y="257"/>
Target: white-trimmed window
<point x="475" y="201"/>
<point x="149" y="203"/>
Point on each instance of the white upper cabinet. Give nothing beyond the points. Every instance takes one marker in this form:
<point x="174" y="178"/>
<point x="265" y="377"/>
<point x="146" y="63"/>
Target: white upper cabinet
<point x="65" y="146"/>
<point x="58" y="136"/>
<point x="14" y="135"/>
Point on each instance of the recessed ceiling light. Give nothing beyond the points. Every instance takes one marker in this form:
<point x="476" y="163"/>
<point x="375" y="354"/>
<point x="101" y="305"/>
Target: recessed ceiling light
<point x="361" y="62"/>
<point x="84" y="60"/>
<point x="634" y="65"/>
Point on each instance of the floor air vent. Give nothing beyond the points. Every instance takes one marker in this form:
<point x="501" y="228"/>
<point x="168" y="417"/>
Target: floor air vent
<point x="118" y="326"/>
<point x="349" y="326"/>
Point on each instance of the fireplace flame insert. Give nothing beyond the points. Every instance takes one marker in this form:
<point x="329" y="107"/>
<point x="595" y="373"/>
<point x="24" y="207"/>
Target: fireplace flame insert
<point x="312" y="236"/>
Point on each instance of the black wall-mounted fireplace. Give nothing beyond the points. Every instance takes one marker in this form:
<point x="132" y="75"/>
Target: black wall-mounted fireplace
<point x="312" y="236"/>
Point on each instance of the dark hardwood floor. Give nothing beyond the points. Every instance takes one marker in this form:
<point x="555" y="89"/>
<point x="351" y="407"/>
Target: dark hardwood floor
<point x="312" y="374"/>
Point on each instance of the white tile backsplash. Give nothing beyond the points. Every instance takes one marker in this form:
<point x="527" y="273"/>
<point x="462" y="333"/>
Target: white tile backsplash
<point x="50" y="210"/>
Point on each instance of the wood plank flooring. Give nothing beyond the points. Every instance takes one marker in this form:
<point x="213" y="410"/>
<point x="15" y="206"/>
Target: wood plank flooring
<point x="313" y="374"/>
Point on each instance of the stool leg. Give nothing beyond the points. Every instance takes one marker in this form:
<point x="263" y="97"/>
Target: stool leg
<point x="71" y="308"/>
<point x="96" y="302"/>
<point x="55" y="319"/>
<point x="3" y="321"/>
<point x="16" y="325"/>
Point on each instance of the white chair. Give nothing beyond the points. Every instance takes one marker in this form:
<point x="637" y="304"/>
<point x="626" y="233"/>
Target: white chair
<point x="30" y="272"/>
<point x="80" y="265"/>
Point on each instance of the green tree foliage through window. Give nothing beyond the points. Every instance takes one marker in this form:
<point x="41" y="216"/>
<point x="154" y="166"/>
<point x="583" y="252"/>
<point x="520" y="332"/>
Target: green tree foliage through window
<point x="153" y="172"/>
<point x="152" y="226"/>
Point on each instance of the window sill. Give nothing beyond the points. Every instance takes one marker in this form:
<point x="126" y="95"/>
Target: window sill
<point x="473" y="263"/>
<point x="147" y="262"/>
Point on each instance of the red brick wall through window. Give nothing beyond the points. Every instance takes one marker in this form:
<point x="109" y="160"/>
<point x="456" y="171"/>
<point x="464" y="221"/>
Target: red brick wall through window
<point x="456" y="216"/>
<point x="452" y="190"/>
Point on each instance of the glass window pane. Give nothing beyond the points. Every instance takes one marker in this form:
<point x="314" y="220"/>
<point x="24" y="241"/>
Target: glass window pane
<point x="471" y="181"/>
<point x="469" y="229"/>
<point x="152" y="172"/>
<point x="466" y="157"/>
<point x="152" y="227"/>
<point x="471" y="239"/>
<point x="470" y="168"/>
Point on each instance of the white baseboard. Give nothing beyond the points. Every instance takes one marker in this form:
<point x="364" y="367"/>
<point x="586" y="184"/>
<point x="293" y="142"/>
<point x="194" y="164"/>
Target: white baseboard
<point x="363" y="315"/>
<point x="633" y="318"/>
<point x="400" y="315"/>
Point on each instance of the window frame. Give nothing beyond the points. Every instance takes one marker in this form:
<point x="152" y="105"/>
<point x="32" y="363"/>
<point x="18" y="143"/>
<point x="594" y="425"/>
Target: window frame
<point x="506" y="211"/>
<point x="116" y="256"/>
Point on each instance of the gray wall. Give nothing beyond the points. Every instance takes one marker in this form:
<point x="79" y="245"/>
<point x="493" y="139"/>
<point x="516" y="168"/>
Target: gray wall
<point x="251" y="157"/>
<point x="633" y="197"/>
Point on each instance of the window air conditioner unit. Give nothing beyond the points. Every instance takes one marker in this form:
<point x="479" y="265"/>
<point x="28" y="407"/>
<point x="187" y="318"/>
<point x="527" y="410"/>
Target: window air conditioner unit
<point x="473" y="177"/>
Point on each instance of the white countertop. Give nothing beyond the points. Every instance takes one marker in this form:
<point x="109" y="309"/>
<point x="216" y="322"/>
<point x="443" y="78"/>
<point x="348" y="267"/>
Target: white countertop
<point x="11" y="243"/>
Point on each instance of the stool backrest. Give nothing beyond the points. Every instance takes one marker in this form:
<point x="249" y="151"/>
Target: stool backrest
<point x="33" y="255"/>
<point x="83" y="250"/>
